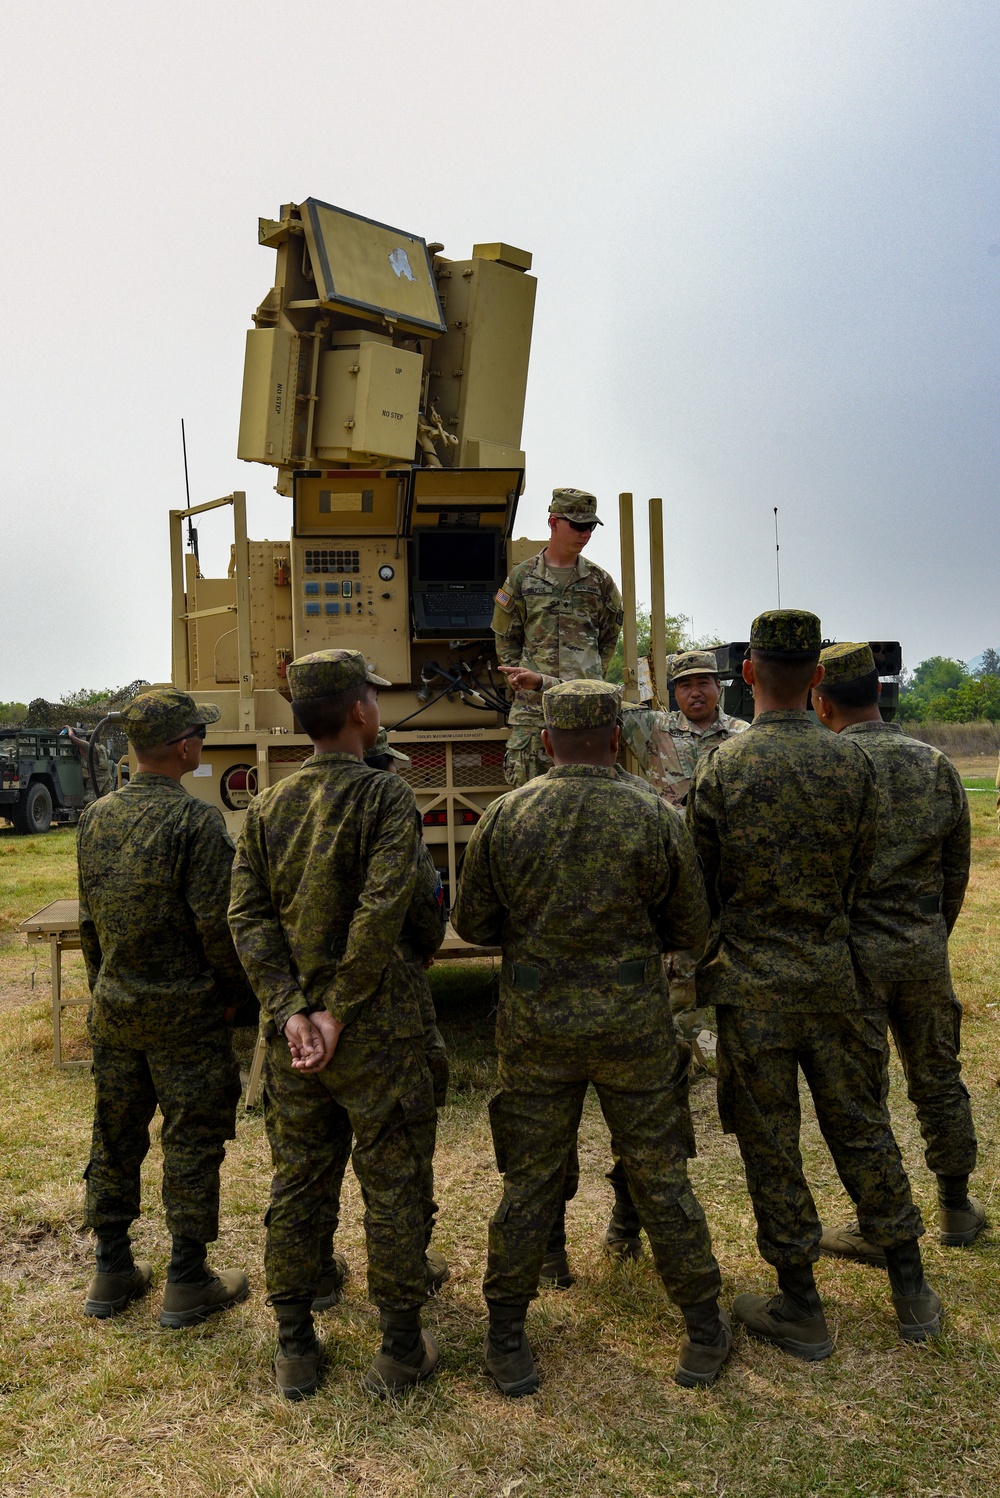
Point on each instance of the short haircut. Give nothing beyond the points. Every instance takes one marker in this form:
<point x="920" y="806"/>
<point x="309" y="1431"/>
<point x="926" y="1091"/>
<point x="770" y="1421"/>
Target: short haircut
<point x="861" y="692"/>
<point x="782" y="676"/>
<point x="569" y="742"/>
<point x="158" y="754"/>
<point x="325" y="717"/>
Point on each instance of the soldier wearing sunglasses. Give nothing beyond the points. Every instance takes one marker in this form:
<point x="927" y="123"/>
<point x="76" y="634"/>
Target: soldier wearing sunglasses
<point x="556" y="618"/>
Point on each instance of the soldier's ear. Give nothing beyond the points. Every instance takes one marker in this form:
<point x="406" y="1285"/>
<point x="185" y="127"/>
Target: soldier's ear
<point x="748" y="675"/>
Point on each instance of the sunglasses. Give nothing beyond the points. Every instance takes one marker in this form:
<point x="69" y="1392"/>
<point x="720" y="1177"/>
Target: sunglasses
<point x="194" y="733"/>
<point x="583" y="526"/>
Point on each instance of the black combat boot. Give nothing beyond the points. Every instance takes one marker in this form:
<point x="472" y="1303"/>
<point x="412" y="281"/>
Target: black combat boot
<point x="793" y="1319"/>
<point x="407" y="1356"/>
<point x="961" y="1217"/>
<point x="119" y="1278"/>
<point x="918" y="1309"/>
<point x="507" y="1354"/>
<point x="621" y="1238"/>
<point x="555" y="1268"/>
<point x="193" y="1290"/>
<point x="705" y="1346"/>
<point x="300" y="1352"/>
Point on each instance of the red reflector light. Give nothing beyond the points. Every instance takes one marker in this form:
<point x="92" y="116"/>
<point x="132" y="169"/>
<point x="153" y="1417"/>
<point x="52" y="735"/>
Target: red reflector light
<point x="470" y="818"/>
<point x="435" y="819"/>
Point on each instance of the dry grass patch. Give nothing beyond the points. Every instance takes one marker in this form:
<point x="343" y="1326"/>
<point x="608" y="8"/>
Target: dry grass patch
<point x="111" y="1408"/>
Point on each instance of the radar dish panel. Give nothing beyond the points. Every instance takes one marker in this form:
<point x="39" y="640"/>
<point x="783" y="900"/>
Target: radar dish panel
<point x="369" y="268"/>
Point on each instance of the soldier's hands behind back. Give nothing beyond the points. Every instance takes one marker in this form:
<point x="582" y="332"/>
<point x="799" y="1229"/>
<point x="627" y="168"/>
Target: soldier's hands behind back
<point x="312" y="1040"/>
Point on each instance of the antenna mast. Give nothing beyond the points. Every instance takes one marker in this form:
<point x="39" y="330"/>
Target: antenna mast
<point x="192" y="533"/>
<point x="777" y="555"/>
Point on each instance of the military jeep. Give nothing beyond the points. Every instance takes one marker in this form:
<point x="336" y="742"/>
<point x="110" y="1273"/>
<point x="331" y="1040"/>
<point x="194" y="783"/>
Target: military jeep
<point x="41" y="779"/>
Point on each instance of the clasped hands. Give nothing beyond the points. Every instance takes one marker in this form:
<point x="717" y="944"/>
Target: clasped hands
<point x="312" y="1039"/>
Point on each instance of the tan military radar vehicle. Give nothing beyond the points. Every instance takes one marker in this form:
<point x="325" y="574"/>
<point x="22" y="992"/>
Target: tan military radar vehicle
<point x="385" y="383"/>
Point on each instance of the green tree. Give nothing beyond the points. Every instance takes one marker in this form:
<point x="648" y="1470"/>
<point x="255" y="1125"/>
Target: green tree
<point x="677" y="637"/>
<point x="12" y="714"/>
<point x="990" y="663"/>
<point x="933" y="678"/>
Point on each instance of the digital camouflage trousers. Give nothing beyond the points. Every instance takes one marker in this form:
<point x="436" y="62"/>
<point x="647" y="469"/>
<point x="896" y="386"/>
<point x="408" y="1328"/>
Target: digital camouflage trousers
<point x="197" y="1087"/>
<point x="383" y="1096"/>
<point x="841" y="1056"/>
<point x="535" y="1117"/>
<point x="925" y="1018"/>
<point x="329" y="1218"/>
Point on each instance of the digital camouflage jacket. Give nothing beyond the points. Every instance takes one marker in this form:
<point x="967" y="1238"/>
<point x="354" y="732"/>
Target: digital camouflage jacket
<point x="784" y="822"/>
<point x="154" y="867"/>
<point x="326" y="865"/>
<point x="904" y="913"/>
<point x="583" y="878"/>
<point x="669" y="745"/>
<point x="565" y="634"/>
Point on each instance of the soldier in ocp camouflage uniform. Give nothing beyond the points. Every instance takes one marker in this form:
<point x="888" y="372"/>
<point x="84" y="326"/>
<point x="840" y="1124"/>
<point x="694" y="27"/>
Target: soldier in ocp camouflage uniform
<point x="584" y="878"/>
<point x="325" y="873"/>
<point x="784" y="822"/>
<point x="899" y="931"/>
<point x="556" y="618"/>
<point x="154" y="869"/>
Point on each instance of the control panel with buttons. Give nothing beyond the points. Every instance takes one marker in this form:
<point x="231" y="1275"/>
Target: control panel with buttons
<point x="353" y="597"/>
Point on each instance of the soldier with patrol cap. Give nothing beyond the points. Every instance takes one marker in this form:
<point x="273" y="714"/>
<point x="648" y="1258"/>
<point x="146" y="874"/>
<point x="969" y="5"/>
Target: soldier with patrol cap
<point x="784" y="822"/>
<point x="325" y="873"/>
<point x="584" y="879"/>
<point x="556" y="618"/>
<point x="900" y="925"/>
<point x="154" y="869"/>
<point x="667" y="746"/>
<point x="421" y="936"/>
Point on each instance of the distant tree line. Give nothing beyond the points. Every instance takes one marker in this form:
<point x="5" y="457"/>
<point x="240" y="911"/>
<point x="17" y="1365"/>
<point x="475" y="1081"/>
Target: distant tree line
<point x="678" y="637"/>
<point x="943" y="690"/>
<point x="84" y="707"/>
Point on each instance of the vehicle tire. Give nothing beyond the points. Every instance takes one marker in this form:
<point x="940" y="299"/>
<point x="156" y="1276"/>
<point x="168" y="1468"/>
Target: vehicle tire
<point x="33" y="812"/>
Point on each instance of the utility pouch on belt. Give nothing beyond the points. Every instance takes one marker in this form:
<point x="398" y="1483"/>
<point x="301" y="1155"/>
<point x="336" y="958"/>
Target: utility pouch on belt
<point x="929" y="904"/>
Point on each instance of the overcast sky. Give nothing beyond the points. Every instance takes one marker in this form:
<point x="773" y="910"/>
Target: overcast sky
<point x="767" y="241"/>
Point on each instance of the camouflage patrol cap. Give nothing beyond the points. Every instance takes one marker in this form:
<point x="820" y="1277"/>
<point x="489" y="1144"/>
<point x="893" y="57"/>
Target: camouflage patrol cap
<point x="382" y="746"/>
<point x="163" y="713"/>
<point x="576" y="505"/>
<point x="791" y="633"/>
<point x="325" y="673"/>
<point x="847" y="662"/>
<point x="692" y="663"/>
<point x="582" y="704"/>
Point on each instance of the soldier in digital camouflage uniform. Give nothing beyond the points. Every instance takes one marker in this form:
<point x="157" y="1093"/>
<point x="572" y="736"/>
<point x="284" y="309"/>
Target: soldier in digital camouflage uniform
<point x="667" y="746"/>
<point x="556" y="618"/>
<point x="584" y="879"/>
<point x="784" y="822"/>
<point x="421" y="936"/>
<point x="154" y="869"/>
<point x="900" y="925"/>
<point x="325" y="874"/>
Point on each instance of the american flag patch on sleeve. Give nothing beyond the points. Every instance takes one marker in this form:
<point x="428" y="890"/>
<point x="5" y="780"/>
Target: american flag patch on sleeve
<point x="502" y="598"/>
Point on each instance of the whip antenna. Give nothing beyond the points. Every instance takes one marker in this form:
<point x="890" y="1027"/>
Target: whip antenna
<point x="192" y="533"/>
<point x="777" y="555"/>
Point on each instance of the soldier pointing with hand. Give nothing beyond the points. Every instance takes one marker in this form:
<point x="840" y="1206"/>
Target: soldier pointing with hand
<point x="556" y="618"/>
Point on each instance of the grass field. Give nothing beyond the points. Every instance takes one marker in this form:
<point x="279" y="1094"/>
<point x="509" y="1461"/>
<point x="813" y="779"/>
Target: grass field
<point x="123" y="1407"/>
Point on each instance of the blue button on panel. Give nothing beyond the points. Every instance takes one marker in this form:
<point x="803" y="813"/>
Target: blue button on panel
<point x="347" y="608"/>
<point x="333" y="608"/>
<point x="332" y="589"/>
<point x="348" y="589"/>
<point x="312" y="588"/>
<point x="312" y="608"/>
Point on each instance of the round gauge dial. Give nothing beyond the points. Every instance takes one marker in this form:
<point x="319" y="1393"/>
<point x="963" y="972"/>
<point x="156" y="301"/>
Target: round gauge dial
<point x="387" y="573"/>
